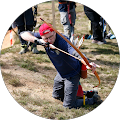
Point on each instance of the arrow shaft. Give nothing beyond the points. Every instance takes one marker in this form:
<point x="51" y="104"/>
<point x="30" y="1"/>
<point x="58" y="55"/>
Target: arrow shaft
<point x="84" y="58"/>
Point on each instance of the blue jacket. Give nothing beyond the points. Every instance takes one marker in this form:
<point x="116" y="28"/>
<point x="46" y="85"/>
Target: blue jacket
<point x="63" y="7"/>
<point x="66" y="65"/>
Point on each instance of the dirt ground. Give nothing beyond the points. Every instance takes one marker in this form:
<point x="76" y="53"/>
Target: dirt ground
<point x="30" y="81"/>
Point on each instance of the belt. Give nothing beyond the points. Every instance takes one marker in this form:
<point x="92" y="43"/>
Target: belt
<point x="64" y="2"/>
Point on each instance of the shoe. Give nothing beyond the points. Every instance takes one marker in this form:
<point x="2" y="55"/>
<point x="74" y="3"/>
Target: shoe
<point x="34" y="49"/>
<point x="24" y="49"/>
<point x="104" y="41"/>
<point x="94" y="41"/>
<point x="98" y="42"/>
<point x="97" y="99"/>
<point x="90" y="93"/>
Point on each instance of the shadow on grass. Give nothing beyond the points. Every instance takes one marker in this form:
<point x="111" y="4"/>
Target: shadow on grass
<point x="105" y="51"/>
<point x="108" y="63"/>
<point x="42" y="52"/>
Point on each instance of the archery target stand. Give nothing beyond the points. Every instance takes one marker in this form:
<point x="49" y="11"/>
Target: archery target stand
<point x="9" y="39"/>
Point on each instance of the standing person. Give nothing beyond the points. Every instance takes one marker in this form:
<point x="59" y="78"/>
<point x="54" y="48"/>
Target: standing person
<point x="68" y="68"/>
<point x="25" y="22"/>
<point x="67" y="16"/>
<point x="96" y="28"/>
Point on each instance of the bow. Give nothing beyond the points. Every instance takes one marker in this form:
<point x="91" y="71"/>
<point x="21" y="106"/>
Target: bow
<point x="83" y="57"/>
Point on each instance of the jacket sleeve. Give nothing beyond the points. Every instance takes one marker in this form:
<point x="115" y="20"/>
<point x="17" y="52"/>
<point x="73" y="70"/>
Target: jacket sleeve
<point x="75" y="53"/>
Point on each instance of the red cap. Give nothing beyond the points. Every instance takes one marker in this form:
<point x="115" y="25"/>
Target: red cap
<point x="44" y="29"/>
<point x="83" y="67"/>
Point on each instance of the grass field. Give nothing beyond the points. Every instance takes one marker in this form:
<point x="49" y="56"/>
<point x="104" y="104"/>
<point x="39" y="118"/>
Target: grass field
<point x="29" y="77"/>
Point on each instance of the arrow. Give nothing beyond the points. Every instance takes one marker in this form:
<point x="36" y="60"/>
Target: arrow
<point x="81" y="41"/>
<point x="84" y="58"/>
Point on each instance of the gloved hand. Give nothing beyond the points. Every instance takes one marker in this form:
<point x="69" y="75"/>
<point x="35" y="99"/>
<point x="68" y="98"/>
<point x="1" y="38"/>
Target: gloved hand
<point x="38" y="42"/>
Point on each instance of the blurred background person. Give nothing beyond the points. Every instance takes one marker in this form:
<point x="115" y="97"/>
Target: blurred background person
<point x="25" y="22"/>
<point x="67" y="16"/>
<point x="96" y="28"/>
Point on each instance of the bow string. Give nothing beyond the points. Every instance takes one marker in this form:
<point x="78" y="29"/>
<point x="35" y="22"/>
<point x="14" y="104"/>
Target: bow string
<point x="83" y="57"/>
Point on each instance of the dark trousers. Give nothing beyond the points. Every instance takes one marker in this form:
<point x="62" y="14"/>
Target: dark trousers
<point x="25" y="23"/>
<point x="65" y="89"/>
<point x="95" y="19"/>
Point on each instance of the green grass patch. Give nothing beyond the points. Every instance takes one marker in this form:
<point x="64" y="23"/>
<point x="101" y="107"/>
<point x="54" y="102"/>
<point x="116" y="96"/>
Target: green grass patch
<point x="27" y="64"/>
<point x="42" y="58"/>
<point x="12" y="49"/>
<point x="25" y="99"/>
<point x="11" y="79"/>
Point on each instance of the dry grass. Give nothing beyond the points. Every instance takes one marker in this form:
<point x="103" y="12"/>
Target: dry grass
<point x="29" y="77"/>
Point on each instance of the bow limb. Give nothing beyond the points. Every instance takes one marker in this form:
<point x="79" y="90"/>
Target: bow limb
<point x="97" y="78"/>
<point x="84" y="58"/>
